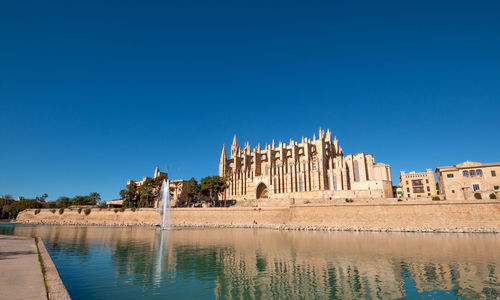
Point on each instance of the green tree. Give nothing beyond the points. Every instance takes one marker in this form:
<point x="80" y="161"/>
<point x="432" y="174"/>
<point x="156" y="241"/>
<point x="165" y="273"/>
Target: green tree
<point x="94" y="198"/>
<point x="193" y="190"/>
<point x="18" y="206"/>
<point x="5" y="201"/>
<point x="41" y="198"/>
<point x="63" y="202"/>
<point x="129" y="195"/>
<point x="146" y="194"/>
<point x="91" y="199"/>
<point x="213" y="186"/>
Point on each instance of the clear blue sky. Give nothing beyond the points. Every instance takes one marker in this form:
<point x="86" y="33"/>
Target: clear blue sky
<point x="93" y="93"/>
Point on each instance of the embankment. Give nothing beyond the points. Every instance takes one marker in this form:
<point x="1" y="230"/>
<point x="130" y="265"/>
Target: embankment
<point x="427" y="217"/>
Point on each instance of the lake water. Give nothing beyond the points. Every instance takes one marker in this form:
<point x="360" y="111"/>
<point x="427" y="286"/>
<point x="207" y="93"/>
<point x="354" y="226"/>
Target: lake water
<point x="141" y="263"/>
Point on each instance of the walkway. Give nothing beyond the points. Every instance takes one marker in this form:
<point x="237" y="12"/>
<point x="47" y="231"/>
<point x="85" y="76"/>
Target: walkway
<point x="20" y="272"/>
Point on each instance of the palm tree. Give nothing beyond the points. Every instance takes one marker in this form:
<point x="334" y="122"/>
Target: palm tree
<point x="94" y="198"/>
<point x="146" y="193"/>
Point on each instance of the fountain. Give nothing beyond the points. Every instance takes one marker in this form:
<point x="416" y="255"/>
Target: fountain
<point x="164" y="205"/>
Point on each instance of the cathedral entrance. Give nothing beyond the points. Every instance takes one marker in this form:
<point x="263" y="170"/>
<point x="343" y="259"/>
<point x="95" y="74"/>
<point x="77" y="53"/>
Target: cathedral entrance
<point x="262" y="191"/>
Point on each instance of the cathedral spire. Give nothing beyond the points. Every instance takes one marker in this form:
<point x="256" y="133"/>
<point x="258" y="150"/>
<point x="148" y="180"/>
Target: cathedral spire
<point x="223" y="162"/>
<point x="234" y="146"/>
<point x="321" y="133"/>
<point x="328" y="135"/>
<point x="274" y="144"/>
<point x="223" y="156"/>
<point x="157" y="172"/>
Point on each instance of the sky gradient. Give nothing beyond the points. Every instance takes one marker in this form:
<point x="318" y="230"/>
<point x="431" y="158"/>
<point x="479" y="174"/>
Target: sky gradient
<point x="93" y="94"/>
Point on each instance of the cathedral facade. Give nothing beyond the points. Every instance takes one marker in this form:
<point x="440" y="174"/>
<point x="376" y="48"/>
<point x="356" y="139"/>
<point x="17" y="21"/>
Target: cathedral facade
<point x="313" y="168"/>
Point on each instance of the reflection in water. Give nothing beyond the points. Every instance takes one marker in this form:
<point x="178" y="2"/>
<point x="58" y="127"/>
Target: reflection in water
<point x="255" y="264"/>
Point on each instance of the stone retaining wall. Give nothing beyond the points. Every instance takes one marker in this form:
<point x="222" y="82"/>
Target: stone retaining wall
<point x="439" y="216"/>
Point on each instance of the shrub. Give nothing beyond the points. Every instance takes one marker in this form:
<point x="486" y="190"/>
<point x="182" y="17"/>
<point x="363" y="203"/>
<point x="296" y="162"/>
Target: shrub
<point x="349" y="200"/>
<point x="61" y="211"/>
<point x="493" y="196"/>
<point x="53" y="211"/>
<point x="37" y="211"/>
<point x="122" y="209"/>
<point x="18" y="206"/>
<point x="399" y="199"/>
<point x="87" y="211"/>
<point x="80" y="210"/>
<point x="116" y="210"/>
<point x="436" y="198"/>
<point x="133" y="209"/>
<point x="477" y="195"/>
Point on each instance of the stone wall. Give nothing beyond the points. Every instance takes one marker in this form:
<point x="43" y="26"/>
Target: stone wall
<point x="456" y="217"/>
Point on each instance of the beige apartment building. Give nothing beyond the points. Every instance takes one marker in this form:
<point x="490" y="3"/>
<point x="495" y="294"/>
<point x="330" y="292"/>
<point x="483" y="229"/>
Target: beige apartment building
<point x="177" y="189"/>
<point x="420" y="184"/>
<point x="313" y="168"/>
<point x="469" y="180"/>
<point x="140" y="182"/>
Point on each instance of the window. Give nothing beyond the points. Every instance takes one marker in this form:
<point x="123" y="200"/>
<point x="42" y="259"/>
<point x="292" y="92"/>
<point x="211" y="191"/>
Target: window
<point x="479" y="172"/>
<point x="409" y="195"/>
<point x="475" y="186"/>
<point x="427" y="181"/>
<point x="466" y="173"/>
<point x="408" y="190"/>
<point x="449" y="175"/>
<point x="472" y="173"/>
<point x="406" y="181"/>
<point x="495" y="187"/>
<point x="428" y="194"/>
<point x="418" y="189"/>
<point x="416" y="182"/>
<point x="493" y="173"/>
<point x="453" y="191"/>
<point x="428" y="188"/>
<point x="356" y="171"/>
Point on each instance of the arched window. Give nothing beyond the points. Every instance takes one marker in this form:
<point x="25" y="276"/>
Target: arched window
<point x="466" y="173"/>
<point x="356" y="171"/>
<point x="479" y="172"/>
<point x="472" y="173"/>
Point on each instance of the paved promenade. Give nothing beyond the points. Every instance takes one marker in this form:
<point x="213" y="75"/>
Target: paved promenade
<point x="20" y="271"/>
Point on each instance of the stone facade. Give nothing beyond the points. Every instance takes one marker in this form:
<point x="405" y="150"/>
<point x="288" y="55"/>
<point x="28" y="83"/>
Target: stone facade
<point x="177" y="191"/>
<point x="420" y="184"/>
<point x="469" y="180"/>
<point x="177" y="187"/>
<point x="472" y="216"/>
<point x="140" y="182"/>
<point x="313" y="168"/>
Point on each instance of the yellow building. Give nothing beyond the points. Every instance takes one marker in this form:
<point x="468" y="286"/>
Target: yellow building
<point x="420" y="184"/>
<point x="140" y="182"/>
<point x="313" y="168"/>
<point x="177" y="190"/>
<point x="469" y="180"/>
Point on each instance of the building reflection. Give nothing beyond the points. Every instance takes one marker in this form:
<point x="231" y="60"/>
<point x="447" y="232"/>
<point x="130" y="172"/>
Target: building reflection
<point x="254" y="264"/>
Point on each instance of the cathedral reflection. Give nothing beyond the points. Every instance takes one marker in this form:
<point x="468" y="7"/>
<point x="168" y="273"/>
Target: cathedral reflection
<point x="255" y="264"/>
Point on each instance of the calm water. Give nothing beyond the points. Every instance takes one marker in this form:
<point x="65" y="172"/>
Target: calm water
<point x="141" y="263"/>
